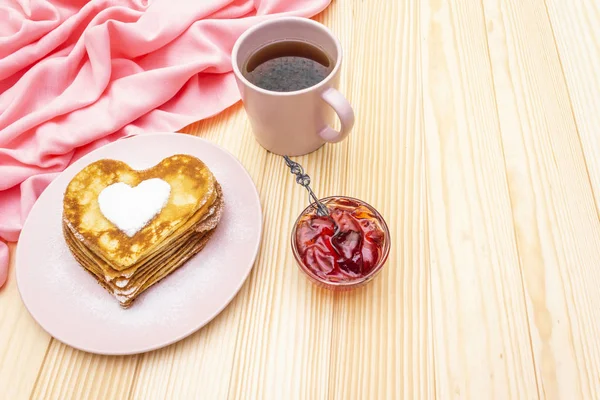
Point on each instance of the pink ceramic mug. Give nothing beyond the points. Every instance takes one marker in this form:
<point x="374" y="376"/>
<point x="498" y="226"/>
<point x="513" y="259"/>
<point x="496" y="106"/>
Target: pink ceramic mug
<point x="298" y="122"/>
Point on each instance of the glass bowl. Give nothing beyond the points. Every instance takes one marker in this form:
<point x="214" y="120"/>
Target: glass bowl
<point x="350" y="283"/>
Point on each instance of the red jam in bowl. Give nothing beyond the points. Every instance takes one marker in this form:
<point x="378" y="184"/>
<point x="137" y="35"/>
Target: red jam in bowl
<point x="352" y="252"/>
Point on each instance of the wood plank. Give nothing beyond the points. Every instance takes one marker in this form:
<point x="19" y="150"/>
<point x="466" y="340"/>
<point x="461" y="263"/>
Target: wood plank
<point x="576" y="29"/>
<point x="283" y="343"/>
<point x="23" y="343"/>
<point x="380" y="346"/>
<point x="481" y="341"/>
<point x="556" y="224"/>
<point x="72" y="374"/>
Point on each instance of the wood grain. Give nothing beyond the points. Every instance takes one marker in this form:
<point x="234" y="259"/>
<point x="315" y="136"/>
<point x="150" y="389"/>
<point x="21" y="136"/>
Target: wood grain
<point x="380" y="343"/>
<point x="71" y="374"/>
<point x="556" y="223"/>
<point x="577" y="35"/>
<point x="23" y="343"/>
<point x="481" y="341"/>
<point x="476" y="137"/>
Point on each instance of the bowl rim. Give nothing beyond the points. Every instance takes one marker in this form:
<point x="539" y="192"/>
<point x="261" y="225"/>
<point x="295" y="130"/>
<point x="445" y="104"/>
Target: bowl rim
<point x="350" y="283"/>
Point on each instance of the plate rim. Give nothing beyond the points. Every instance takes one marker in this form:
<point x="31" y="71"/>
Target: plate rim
<point x="195" y="328"/>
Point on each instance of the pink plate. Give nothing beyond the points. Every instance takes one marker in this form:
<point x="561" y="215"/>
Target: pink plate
<point x="72" y="307"/>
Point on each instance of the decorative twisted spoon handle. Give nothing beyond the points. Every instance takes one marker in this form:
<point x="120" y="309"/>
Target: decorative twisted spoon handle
<point x="304" y="180"/>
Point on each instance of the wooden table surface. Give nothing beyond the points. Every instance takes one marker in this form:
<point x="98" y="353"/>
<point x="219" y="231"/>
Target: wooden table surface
<point x="478" y="138"/>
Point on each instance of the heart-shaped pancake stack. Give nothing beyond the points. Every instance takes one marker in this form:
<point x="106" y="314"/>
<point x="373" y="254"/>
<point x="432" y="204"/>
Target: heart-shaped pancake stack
<point x="130" y="229"/>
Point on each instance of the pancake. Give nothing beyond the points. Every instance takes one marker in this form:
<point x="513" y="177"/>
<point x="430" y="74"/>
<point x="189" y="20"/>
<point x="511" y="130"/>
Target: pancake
<point x="126" y="286"/>
<point x="130" y="229"/>
<point x="168" y="264"/>
<point x="191" y="225"/>
<point x="192" y="187"/>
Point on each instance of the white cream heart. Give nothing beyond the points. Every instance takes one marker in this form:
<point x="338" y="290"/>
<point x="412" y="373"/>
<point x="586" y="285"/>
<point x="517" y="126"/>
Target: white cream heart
<point x="130" y="209"/>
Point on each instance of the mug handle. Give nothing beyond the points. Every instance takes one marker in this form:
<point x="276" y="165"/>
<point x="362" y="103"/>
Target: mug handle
<point x="344" y="111"/>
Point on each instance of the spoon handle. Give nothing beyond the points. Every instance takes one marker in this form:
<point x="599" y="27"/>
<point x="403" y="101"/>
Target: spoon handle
<point x="304" y="180"/>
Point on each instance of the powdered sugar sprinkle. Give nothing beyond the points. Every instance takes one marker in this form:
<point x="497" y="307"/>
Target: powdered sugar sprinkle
<point x="130" y="209"/>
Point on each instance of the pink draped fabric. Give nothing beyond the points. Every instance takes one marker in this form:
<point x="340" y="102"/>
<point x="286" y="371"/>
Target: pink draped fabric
<point x="75" y="75"/>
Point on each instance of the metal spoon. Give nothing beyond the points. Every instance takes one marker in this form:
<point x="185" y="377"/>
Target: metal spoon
<point x="304" y="180"/>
